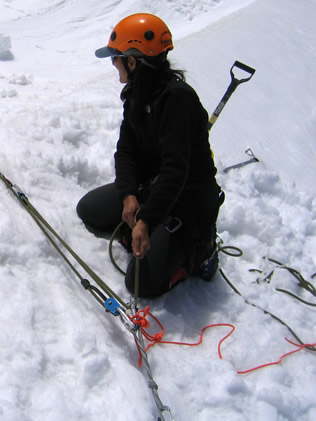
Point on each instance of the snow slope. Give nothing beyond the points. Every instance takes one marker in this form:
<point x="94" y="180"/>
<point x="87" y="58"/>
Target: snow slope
<point x="62" y="357"/>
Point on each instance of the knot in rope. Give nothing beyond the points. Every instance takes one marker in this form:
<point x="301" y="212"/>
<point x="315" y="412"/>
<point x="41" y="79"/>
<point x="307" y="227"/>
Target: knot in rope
<point x="158" y="337"/>
<point x="139" y="318"/>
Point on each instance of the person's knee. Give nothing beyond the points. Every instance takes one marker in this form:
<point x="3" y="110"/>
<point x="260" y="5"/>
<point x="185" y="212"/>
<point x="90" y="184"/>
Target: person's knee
<point x="149" y="285"/>
<point x="81" y="209"/>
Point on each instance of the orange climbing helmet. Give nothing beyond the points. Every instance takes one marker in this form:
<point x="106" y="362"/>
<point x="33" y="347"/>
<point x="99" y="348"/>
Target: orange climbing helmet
<point x="141" y="34"/>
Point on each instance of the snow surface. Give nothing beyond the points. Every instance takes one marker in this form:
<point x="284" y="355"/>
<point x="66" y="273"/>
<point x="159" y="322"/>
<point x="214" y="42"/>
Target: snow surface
<point x="62" y="357"/>
<point x="5" y="45"/>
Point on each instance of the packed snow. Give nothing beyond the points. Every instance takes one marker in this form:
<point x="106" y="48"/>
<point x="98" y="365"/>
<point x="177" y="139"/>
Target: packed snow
<point x="62" y="357"/>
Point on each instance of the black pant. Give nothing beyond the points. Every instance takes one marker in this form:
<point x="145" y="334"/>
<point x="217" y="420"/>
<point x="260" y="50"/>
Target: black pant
<point x="101" y="211"/>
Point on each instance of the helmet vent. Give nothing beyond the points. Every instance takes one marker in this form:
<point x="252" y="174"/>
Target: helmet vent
<point x="135" y="40"/>
<point x="113" y="36"/>
<point x="149" y="35"/>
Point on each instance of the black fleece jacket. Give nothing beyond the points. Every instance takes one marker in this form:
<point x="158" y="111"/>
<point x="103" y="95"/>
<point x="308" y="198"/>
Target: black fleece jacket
<point x="171" y="143"/>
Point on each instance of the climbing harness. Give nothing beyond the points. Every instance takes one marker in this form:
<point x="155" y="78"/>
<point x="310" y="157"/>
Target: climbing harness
<point x="109" y="300"/>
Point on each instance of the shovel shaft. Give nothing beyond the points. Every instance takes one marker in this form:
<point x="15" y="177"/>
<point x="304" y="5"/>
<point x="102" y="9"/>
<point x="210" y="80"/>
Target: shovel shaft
<point x="231" y="88"/>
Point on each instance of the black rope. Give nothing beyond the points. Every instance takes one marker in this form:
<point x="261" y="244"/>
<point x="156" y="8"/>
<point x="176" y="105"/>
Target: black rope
<point x="302" y="282"/>
<point x="111" y="248"/>
<point x="236" y="252"/>
<point x="295" y="296"/>
<point x="310" y="348"/>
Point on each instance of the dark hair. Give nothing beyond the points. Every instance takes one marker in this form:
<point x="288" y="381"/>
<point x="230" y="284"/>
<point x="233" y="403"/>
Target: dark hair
<point x="150" y="77"/>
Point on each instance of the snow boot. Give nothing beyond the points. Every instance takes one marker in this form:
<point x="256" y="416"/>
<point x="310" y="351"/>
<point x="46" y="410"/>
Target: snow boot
<point x="180" y="275"/>
<point x="209" y="267"/>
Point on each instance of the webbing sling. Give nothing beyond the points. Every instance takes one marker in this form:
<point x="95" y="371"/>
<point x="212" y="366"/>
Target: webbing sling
<point x="113" y="303"/>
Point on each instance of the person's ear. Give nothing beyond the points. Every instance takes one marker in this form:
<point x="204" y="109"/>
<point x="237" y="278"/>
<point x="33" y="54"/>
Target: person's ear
<point x="131" y="62"/>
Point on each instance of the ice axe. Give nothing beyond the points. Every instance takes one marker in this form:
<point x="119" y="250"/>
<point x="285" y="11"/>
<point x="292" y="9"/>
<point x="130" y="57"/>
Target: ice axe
<point x="231" y="88"/>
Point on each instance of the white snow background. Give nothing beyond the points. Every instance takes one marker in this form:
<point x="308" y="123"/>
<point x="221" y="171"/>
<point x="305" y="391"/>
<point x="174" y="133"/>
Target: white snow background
<point x="62" y="358"/>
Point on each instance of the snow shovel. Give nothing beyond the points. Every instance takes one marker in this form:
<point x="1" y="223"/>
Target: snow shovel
<point x="231" y="88"/>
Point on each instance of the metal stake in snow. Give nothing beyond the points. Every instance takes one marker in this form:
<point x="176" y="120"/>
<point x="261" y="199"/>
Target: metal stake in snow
<point x="242" y="164"/>
<point x="163" y="410"/>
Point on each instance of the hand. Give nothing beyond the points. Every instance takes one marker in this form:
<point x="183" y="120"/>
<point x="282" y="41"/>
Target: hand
<point x="130" y="208"/>
<point x="140" y="241"/>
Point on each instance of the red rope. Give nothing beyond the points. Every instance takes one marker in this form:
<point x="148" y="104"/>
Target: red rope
<point x="140" y="319"/>
<point x="300" y="347"/>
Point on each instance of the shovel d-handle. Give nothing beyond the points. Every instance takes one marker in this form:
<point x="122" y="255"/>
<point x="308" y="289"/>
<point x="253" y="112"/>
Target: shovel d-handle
<point x="244" y="67"/>
<point x="231" y="88"/>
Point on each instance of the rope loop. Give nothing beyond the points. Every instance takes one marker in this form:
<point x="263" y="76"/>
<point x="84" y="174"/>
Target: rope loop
<point x="158" y="337"/>
<point x="139" y="318"/>
<point x="230" y="251"/>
